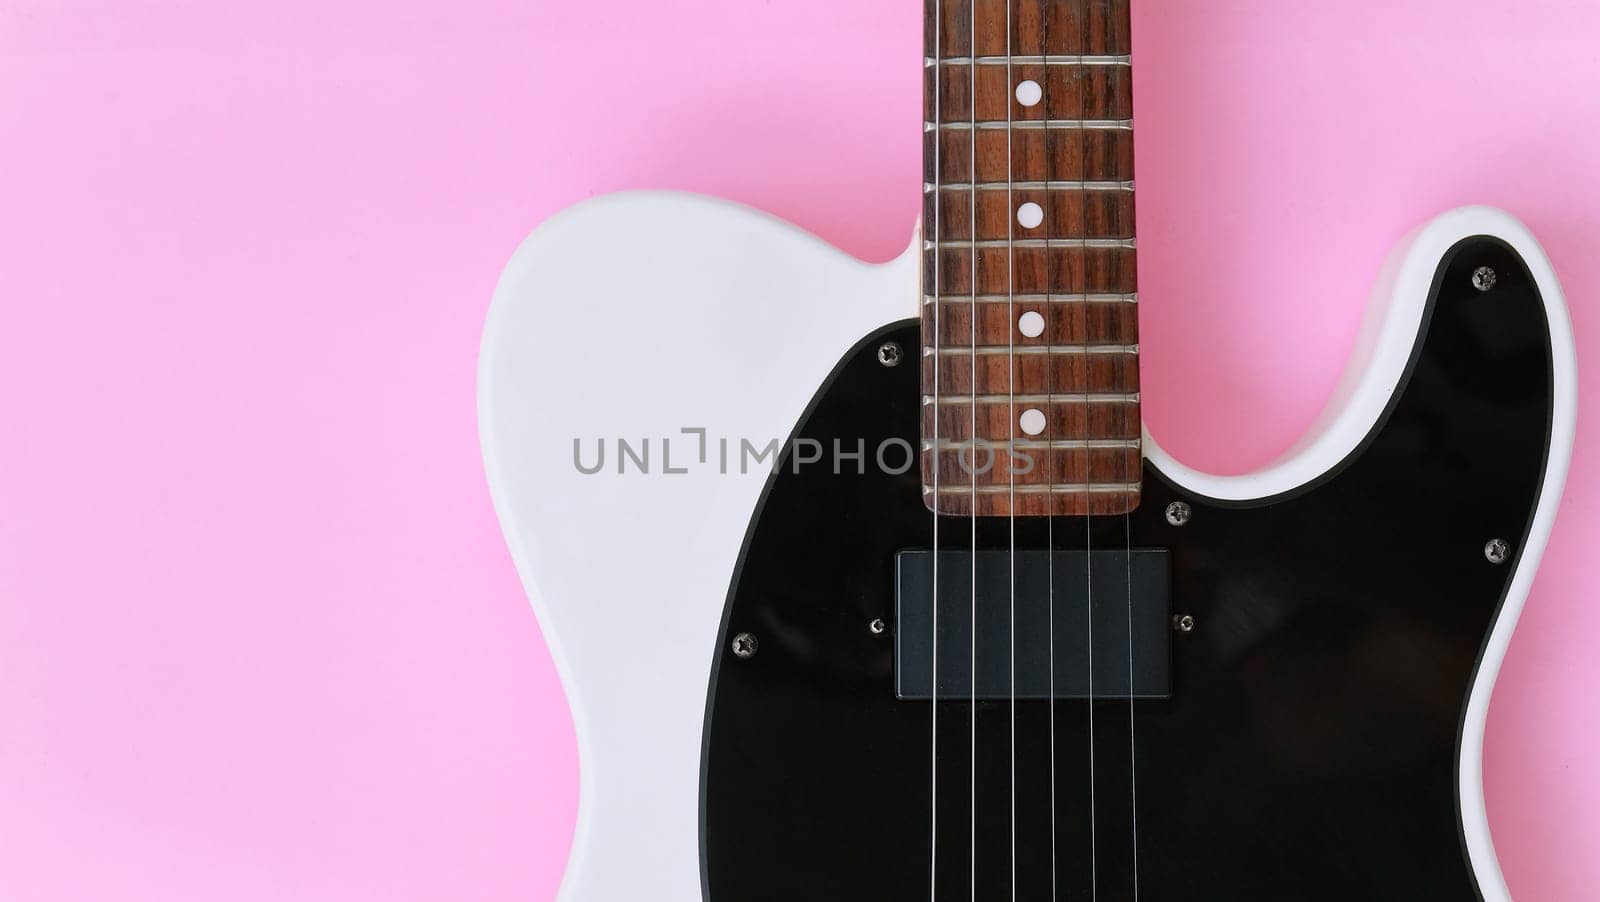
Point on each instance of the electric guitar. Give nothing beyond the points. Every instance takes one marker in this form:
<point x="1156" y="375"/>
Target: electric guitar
<point x="866" y="583"/>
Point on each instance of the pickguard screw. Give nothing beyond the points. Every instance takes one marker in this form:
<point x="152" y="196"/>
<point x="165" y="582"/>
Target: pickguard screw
<point x="1483" y="278"/>
<point x="877" y="627"/>
<point x="890" y="353"/>
<point x="1183" y="623"/>
<point x="1497" y="551"/>
<point x="1179" y="513"/>
<point x="745" y="646"/>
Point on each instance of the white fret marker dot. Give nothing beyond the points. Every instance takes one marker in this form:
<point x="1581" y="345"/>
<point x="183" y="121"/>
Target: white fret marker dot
<point x="1029" y="93"/>
<point x="1032" y="421"/>
<point x="1029" y="215"/>
<point x="1031" y="324"/>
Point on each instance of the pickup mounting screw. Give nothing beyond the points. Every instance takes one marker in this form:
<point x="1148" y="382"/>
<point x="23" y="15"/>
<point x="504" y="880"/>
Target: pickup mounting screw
<point x="877" y="627"/>
<point x="890" y="353"/>
<point x="1183" y="623"/>
<point x="1497" y="551"/>
<point x="1483" y="278"/>
<point x="1179" y="513"/>
<point x="745" y="645"/>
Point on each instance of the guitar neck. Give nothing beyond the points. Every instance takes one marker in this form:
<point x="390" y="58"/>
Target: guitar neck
<point x="1030" y="329"/>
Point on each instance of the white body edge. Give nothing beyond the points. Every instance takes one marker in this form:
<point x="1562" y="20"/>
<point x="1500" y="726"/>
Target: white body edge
<point x="727" y="319"/>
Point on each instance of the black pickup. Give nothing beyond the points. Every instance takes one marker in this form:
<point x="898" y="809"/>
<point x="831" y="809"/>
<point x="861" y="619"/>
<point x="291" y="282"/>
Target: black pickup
<point x="1028" y="583"/>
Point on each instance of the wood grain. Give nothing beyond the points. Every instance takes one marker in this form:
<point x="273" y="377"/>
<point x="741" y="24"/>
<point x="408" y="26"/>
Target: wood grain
<point x="991" y="421"/>
<point x="1025" y="270"/>
<point x="1037" y="26"/>
<point x="1036" y="155"/>
<point x="1070" y="374"/>
<point x="1066" y="323"/>
<point x="1070" y="211"/>
<point x="1070" y="92"/>
<point x="986" y="154"/>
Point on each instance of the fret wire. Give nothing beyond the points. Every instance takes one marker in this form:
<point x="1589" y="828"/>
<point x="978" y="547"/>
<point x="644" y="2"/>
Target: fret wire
<point x="1032" y="350"/>
<point x="1054" y="59"/>
<point x="1131" y="298"/>
<point x="1059" y="488"/>
<point x="1063" y="298"/>
<point x="1076" y="398"/>
<point x="930" y="187"/>
<point x="945" y="445"/>
<point x="1032" y="125"/>
<point x="1034" y="243"/>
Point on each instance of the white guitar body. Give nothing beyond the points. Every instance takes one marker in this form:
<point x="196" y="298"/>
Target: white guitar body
<point x="728" y="320"/>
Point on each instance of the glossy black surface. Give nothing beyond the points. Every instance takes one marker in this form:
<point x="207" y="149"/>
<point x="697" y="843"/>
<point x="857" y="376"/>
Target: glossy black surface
<point x="1308" y="749"/>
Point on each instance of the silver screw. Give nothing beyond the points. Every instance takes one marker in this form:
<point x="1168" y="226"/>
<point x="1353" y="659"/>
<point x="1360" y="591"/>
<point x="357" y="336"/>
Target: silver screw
<point x="1483" y="278"/>
<point x="1497" y="551"/>
<point x="890" y="353"/>
<point x="1183" y="623"/>
<point x="1179" y="513"/>
<point x="877" y="627"/>
<point x="745" y="646"/>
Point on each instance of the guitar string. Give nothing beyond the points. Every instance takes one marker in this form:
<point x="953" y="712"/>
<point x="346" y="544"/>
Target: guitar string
<point x="1050" y="515"/>
<point x="938" y="298"/>
<point x="1088" y="478"/>
<point x="1011" y="463"/>
<point x="972" y="346"/>
<point x="1113" y="20"/>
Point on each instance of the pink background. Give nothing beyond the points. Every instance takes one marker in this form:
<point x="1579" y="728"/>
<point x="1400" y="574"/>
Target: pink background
<point x="259" y="637"/>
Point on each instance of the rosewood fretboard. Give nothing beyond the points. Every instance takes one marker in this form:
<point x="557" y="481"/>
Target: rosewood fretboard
<point x="1030" y="330"/>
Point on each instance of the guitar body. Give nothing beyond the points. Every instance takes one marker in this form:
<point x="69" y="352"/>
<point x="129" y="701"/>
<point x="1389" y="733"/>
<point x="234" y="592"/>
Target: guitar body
<point x="1337" y="622"/>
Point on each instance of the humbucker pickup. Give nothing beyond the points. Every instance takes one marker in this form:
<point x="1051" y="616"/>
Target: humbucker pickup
<point x="1090" y="643"/>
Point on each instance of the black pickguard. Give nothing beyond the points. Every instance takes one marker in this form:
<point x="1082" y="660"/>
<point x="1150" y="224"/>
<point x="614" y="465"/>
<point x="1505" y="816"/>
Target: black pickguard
<point x="1308" y="748"/>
